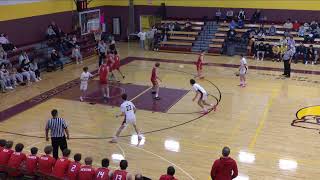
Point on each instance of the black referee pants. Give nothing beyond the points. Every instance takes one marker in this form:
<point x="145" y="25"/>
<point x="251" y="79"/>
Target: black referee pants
<point x="56" y="143"/>
<point x="287" y="68"/>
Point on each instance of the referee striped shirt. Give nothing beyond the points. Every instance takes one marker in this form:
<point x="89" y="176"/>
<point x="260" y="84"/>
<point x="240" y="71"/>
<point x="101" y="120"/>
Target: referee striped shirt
<point x="57" y="127"/>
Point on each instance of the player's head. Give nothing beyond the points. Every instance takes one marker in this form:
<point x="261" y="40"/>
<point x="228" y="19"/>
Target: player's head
<point x="77" y="157"/>
<point x="54" y="113"/>
<point x="225" y="151"/>
<point x="192" y="81"/>
<point x="241" y="55"/>
<point x="123" y="164"/>
<point x="9" y="144"/>
<point x="48" y="149"/>
<point x="88" y="160"/>
<point x="19" y="147"/>
<point x="171" y="171"/>
<point x="2" y="142"/>
<point x="157" y="64"/>
<point x="105" y="162"/>
<point x="115" y="52"/>
<point x="66" y="152"/>
<point x="34" y="150"/>
<point x="138" y="177"/>
<point x="124" y="96"/>
<point x="85" y="69"/>
<point x="202" y="52"/>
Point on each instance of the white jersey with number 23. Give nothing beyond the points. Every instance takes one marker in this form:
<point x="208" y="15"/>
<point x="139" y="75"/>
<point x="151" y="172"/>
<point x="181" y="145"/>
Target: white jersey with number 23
<point x="128" y="108"/>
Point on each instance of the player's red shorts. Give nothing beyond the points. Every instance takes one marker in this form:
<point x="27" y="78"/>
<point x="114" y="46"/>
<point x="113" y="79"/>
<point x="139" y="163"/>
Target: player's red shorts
<point x="116" y="66"/>
<point x="199" y="66"/>
<point x="154" y="82"/>
<point x="103" y="82"/>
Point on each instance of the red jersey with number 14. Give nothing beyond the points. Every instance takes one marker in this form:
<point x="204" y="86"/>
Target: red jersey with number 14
<point x="119" y="175"/>
<point x="102" y="174"/>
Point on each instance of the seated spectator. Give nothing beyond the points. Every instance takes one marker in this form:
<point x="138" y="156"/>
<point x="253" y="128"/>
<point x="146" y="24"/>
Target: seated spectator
<point x="240" y="24"/>
<point x="316" y="32"/>
<point x="291" y="42"/>
<point x="286" y="33"/>
<point x="34" y="67"/>
<point x="268" y="50"/>
<point x="283" y="49"/>
<point x="170" y="174"/>
<point x="55" y="28"/>
<point x="309" y="37"/>
<point x="283" y="41"/>
<point x="27" y="72"/>
<point x="122" y="171"/>
<point x="46" y="162"/>
<point x="16" y="77"/>
<point x="177" y="26"/>
<point x="32" y="163"/>
<point x="188" y="25"/>
<point x="50" y="33"/>
<point x="231" y="35"/>
<point x="77" y="54"/>
<point x="6" y="44"/>
<point x="242" y="15"/>
<point x="171" y="27"/>
<point x="61" y="166"/>
<point x="276" y="53"/>
<point x="218" y="15"/>
<point x="2" y="87"/>
<point x="313" y="25"/>
<point x="306" y="27"/>
<point x="296" y="25"/>
<point x="288" y="24"/>
<point x="74" y="40"/>
<point x="5" y="154"/>
<point x="261" y="36"/>
<point x="272" y="30"/>
<point x="301" y="31"/>
<point x="256" y="16"/>
<point x="310" y="55"/>
<point x="87" y="172"/>
<point x="232" y="24"/>
<point x="74" y="167"/>
<point x="229" y="15"/>
<point x="3" y="55"/>
<point x="5" y="77"/>
<point x="299" y="52"/>
<point x="16" y="160"/>
<point x="55" y="59"/>
<point x="224" y="167"/>
<point x="104" y="172"/>
<point x="261" y="51"/>
<point x="23" y="56"/>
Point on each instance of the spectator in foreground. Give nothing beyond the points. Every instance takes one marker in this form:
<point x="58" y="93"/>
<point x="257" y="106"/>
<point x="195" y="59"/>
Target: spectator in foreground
<point x="55" y="59"/>
<point x="87" y="172"/>
<point x="122" y="171"/>
<point x="170" y="174"/>
<point x="288" y="24"/>
<point x="74" y="167"/>
<point x="16" y="160"/>
<point x="224" y="168"/>
<point x="32" y="162"/>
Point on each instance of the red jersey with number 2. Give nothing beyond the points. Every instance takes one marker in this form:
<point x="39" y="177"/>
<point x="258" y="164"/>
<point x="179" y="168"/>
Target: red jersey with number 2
<point x="73" y="170"/>
<point x="119" y="175"/>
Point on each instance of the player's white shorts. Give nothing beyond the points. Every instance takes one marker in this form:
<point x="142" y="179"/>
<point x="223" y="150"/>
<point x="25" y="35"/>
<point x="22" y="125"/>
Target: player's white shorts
<point x="129" y="121"/>
<point x="204" y="97"/>
<point x="83" y="86"/>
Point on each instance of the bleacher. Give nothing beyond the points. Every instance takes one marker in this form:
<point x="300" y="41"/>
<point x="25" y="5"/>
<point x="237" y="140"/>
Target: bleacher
<point x="181" y="40"/>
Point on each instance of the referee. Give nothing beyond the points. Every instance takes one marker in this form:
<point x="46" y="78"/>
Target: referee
<point x="58" y="128"/>
<point x="287" y="62"/>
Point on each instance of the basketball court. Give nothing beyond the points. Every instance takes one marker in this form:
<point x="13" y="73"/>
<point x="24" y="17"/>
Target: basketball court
<point x="258" y="122"/>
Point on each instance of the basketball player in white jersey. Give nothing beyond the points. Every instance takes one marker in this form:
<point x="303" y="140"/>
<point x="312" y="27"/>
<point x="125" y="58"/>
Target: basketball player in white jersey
<point x="84" y="78"/>
<point x="128" y="110"/>
<point x="202" y="101"/>
<point x="243" y="71"/>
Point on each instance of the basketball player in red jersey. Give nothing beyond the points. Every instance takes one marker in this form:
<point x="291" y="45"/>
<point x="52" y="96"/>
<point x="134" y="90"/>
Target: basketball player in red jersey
<point x="116" y="64"/>
<point x="103" y="79"/>
<point x="154" y="81"/>
<point x="122" y="174"/>
<point x="104" y="173"/>
<point x="110" y="64"/>
<point x="87" y="172"/>
<point x="62" y="164"/>
<point x="74" y="167"/>
<point x="199" y="64"/>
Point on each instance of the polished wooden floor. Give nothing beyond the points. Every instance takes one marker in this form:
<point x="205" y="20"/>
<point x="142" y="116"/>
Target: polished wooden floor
<point x="255" y="122"/>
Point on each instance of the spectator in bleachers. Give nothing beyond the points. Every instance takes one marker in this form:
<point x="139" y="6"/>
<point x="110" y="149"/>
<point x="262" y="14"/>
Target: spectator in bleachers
<point x="16" y="77"/>
<point x="2" y="87"/>
<point x="6" y="44"/>
<point x="288" y="24"/>
<point x="17" y="159"/>
<point x="291" y="42"/>
<point x="240" y="24"/>
<point x="261" y="35"/>
<point x="310" y="55"/>
<point x="225" y="167"/>
<point x="242" y="14"/>
<point x="50" y="33"/>
<point x="268" y="51"/>
<point x="306" y="27"/>
<point x="299" y="52"/>
<point x="77" y="54"/>
<point x="188" y="25"/>
<point x="46" y="162"/>
<point x="309" y="37"/>
<point x="256" y="16"/>
<point x="313" y="25"/>
<point x="55" y="59"/>
<point x="276" y="53"/>
<point x="104" y="172"/>
<point x="170" y="174"/>
<point x="231" y="35"/>
<point x="218" y="15"/>
<point x="23" y="56"/>
<point x="232" y="24"/>
<point x="261" y="51"/>
<point x="229" y="15"/>
<point x="286" y="33"/>
<point x="5" y="154"/>
<point x="301" y="31"/>
<point x="142" y="36"/>
<point x="272" y="30"/>
<point x="296" y="25"/>
<point x="27" y="72"/>
<point x="3" y="54"/>
<point x="55" y="28"/>
<point x="316" y="32"/>
<point x="122" y="171"/>
<point x="74" y="167"/>
<point x="87" y="172"/>
<point x="31" y="165"/>
<point x="283" y="41"/>
<point x="34" y="67"/>
<point x="171" y="27"/>
<point x="61" y="166"/>
<point x="177" y="26"/>
<point x="5" y="77"/>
